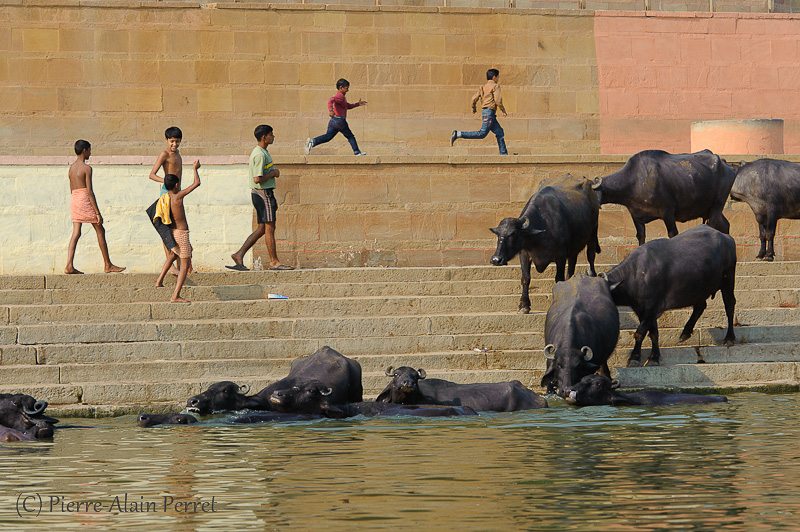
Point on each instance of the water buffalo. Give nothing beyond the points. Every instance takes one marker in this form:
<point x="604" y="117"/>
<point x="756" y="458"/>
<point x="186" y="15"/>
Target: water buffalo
<point x="655" y="184"/>
<point x="555" y="225"/>
<point x="339" y="373"/>
<point x="311" y="399"/>
<point x="410" y="386"/>
<point x="673" y="273"/>
<point x="22" y="412"/>
<point x="9" y="435"/>
<point x="581" y="331"/>
<point x="594" y="390"/>
<point x="772" y="189"/>
<point x="151" y="420"/>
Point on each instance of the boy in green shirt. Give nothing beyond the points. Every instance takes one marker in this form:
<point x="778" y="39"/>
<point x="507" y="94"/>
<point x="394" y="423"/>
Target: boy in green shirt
<point x="262" y="185"/>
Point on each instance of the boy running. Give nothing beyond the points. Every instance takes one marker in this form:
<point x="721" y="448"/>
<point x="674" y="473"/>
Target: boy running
<point x="491" y="101"/>
<point x="337" y="109"/>
<point x="84" y="209"/>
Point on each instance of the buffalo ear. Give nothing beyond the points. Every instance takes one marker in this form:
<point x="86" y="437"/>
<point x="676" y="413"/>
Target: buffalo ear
<point x="333" y="411"/>
<point x="614" y="384"/>
<point x="422" y="373"/>
<point x="547" y="378"/>
<point x="385" y="396"/>
<point x="612" y="287"/>
<point x="495" y="230"/>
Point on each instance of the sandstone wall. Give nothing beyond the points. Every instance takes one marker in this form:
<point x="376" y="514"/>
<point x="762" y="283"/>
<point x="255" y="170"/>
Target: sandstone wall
<point x="389" y="211"/>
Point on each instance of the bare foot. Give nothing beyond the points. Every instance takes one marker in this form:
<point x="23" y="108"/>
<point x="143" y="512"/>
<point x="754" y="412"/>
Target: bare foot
<point x="159" y="285"/>
<point x="72" y="270"/>
<point x="174" y="271"/>
<point x="179" y="300"/>
<point x="114" y="269"/>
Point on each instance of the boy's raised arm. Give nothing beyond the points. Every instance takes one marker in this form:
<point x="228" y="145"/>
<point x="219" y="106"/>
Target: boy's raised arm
<point x="195" y="183"/>
<point x="159" y="163"/>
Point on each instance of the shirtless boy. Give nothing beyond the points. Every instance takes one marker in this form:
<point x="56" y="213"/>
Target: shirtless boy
<point x="172" y="163"/>
<point x="180" y="231"/>
<point x="84" y="209"/>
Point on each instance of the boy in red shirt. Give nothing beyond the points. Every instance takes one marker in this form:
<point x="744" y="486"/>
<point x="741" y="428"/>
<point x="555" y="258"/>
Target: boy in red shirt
<point x="337" y="109"/>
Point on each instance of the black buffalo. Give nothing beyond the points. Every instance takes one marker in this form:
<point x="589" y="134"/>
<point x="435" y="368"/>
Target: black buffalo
<point x="9" y="435"/>
<point x="655" y="185"/>
<point x="555" y="225"/>
<point x="21" y="412"/>
<point x="410" y="386"/>
<point x="334" y="370"/>
<point x="151" y="420"/>
<point x="772" y="189"/>
<point x="594" y="390"/>
<point x="673" y="273"/>
<point x="581" y="331"/>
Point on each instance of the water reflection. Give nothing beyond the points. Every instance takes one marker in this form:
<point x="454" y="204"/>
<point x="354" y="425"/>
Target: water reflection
<point x="730" y="466"/>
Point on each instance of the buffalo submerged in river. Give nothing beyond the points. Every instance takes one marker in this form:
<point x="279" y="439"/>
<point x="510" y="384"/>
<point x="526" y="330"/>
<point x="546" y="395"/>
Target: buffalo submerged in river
<point x="656" y="185"/>
<point x="22" y="418"/>
<point x="327" y="366"/>
<point x="555" y="225"/>
<point x="596" y="390"/>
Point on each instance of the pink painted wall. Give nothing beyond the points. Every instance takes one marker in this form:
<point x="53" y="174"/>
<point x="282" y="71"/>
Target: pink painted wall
<point x="659" y="72"/>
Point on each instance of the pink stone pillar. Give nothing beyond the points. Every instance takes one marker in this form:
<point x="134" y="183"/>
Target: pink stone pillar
<point x="738" y="137"/>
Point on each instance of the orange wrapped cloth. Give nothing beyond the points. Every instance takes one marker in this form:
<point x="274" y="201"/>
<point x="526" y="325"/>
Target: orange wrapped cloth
<point x="182" y="238"/>
<point x="81" y="208"/>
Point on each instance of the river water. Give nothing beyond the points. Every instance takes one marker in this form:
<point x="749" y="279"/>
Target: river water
<point x="722" y="467"/>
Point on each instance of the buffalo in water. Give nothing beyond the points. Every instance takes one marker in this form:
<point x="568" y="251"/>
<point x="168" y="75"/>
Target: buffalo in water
<point x="595" y="390"/>
<point x="555" y="225"/>
<point x="656" y="185"/>
<point x="674" y="273"/>
<point x="151" y="420"/>
<point x="327" y="366"/>
<point x="581" y="331"/>
<point x="772" y="190"/>
<point x="22" y="418"/>
<point x="412" y="387"/>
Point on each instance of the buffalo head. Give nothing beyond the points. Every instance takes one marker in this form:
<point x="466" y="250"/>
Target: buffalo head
<point x="220" y="397"/>
<point x="595" y="390"/>
<point x="566" y="366"/>
<point x="151" y="420"/>
<point x="307" y="398"/>
<point x="512" y="235"/>
<point x="404" y="388"/>
<point x="24" y="413"/>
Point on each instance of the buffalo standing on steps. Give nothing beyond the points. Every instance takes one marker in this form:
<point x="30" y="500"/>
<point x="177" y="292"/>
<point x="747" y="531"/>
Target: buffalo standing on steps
<point x="334" y="370"/>
<point x="22" y="416"/>
<point x="673" y="273"/>
<point x="772" y="189"/>
<point x="581" y="331"/>
<point x="555" y="225"/>
<point x="410" y="386"/>
<point x="595" y="390"/>
<point x="655" y="184"/>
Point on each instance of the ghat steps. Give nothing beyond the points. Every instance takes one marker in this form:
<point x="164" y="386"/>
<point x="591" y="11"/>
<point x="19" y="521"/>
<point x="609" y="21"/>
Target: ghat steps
<point x="113" y="340"/>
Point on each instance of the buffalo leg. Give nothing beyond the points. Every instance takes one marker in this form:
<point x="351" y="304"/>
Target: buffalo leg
<point x="561" y="264"/>
<point x="769" y="233"/>
<point x="573" y="261"/>
<point x="672" y="229"/>
<point x="688" y="329"/>
<point x="762" y="236"/>
<point x="730" y="304"/>
<point x="525" y="300"/>
<point x="636" y="354"/>
<point x="655" y="352"/>
<point x="719" y="222"/>
<point x="640" y="232"/>
<point x="592" y="249"/>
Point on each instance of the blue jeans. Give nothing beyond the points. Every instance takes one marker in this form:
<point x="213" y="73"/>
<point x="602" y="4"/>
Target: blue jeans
<point x="338" y="124"/>
<point x="489" y="124"/>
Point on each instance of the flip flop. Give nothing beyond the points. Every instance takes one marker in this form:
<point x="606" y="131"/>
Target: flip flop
<point x="238" y="268"/>
<point x="282" y="267"/>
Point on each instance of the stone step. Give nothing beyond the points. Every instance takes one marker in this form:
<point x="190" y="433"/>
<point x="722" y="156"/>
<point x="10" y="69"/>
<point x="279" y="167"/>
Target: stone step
<point x="316" y="291"/>
<point x="707" y="376"/>
<point x="302" y="308"/>
<point x="332" y="275"/>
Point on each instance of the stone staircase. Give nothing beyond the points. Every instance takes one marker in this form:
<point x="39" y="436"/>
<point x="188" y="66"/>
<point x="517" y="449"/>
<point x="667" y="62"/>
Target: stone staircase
<point x="99" y="342"/>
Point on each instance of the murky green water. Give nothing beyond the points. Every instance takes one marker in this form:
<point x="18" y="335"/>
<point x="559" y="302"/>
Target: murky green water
<point x="733" y="466"/>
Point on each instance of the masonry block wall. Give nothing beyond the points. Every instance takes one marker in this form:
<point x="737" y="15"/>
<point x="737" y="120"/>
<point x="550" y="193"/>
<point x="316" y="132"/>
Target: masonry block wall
<point x="401" y="211"/>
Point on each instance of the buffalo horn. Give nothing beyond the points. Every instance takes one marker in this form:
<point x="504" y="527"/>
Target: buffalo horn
<point x="614" y="384"/>
<point x="326" y="392"/>
<point x="549" y="351"/>
<point x="244" y="389"/>
<point x="603" y="275"/>
<point x="422" y="373"/>
<point x="526" y="222"/>
<point x="389" y="371"/>
<point x="586" y="351"/>
<point x="596" y="182"/>
<point x="38" y="408"/>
